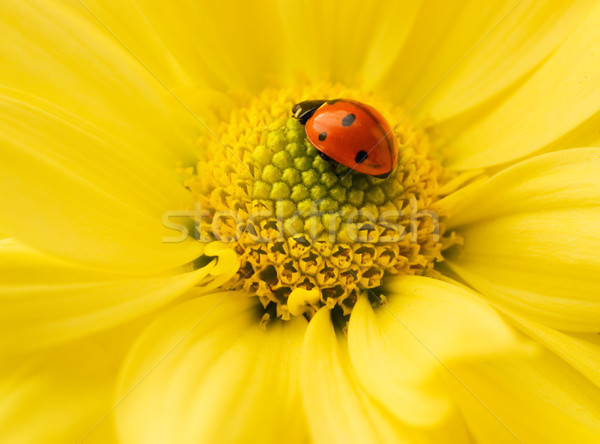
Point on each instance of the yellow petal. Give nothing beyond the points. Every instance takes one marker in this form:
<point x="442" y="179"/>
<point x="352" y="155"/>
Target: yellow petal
<point x="532" y="236"/>
<point x="71" y="189"/>
<point x="86" y="71"/>
<point x="347" y="41"/>
<point x="564" y="179"/>
<point x="45" y="301"/>
<point x="20" y="264"/>
<point x="581" y="350"/>
<point x="128" y="22"/>
<point x="220" y="44"/>
<point x="537" y="399"/>
<point x="219" y="376"/>
<point x="339" y="410"/>
<point x="532" y="119"/>
<point x="450" y="322"/>
<point x="510" y="42"/>
<point x="395" y="368"/>
<point x="58" y="395"/>
<point x="101" y="160"/>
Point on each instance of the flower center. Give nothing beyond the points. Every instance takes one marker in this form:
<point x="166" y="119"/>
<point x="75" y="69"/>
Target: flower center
<point x="309" y="231"/>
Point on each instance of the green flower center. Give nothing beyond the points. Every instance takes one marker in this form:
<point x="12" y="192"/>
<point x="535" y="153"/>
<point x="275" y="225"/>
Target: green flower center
<point x="311" y="232"/>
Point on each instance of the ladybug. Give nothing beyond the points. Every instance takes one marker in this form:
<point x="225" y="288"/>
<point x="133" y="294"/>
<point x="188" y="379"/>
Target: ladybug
<point x="351" y="133"/>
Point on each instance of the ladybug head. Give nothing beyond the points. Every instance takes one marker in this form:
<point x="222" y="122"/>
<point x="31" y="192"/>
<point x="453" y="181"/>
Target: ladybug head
<point x="304" y="110"/>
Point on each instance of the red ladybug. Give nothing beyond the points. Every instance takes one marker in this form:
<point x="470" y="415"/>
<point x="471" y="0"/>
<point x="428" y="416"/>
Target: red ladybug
<point x="351" y="133"/>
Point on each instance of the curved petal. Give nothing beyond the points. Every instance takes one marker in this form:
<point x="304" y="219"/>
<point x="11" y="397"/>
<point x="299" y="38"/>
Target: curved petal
<point x="533" y="399"/>
<point x="339" y="409"/>
<point x="395" y="369"/>
<point x="46" y="301"/>
<point x="127" y="21"/>
<point x="87" y="72"/>
<point x="61" y="394"/>
<point x="451" y="321"/>
<point x="581" y="350"/>
<point x="532" y="236"/>
<point x="72" y="190"/>
<point x="219" y="377"/>
<point x="493" y="46"/>
<point x="348" y="41"/>
<point x="22" y="265"/>
<point x="226" y="44"/>
<point x="553" y="103"/>
<point x="398" y="349"/>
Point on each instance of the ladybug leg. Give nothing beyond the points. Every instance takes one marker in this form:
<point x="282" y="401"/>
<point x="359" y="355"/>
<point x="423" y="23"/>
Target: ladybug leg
<point x="304" y="110"/>
<point x="335" y="165"/>
<point x="325" y="157"/>
<point x="383" y="176"/>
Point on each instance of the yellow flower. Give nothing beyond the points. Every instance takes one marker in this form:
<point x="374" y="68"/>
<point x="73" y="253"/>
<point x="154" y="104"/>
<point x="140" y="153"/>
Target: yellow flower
<point x="118" y="116"/>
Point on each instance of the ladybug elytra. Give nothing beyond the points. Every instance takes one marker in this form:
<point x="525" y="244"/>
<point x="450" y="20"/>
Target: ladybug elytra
<point x="352" y="133"/>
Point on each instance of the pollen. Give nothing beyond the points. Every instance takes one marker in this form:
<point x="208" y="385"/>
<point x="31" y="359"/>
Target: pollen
<point x="308" y="231"/>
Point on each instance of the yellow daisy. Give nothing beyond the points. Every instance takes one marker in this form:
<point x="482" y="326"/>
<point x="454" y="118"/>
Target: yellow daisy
<point x="179" y="264"/>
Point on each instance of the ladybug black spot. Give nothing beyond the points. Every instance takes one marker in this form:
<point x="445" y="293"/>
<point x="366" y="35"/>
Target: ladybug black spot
<point x="348" y="120"/>
<point x="322" y="136"/>
<point x="361" y="156"/>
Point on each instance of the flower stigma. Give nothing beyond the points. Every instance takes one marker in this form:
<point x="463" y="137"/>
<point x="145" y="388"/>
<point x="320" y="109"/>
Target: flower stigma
<point x="308" y="231"/>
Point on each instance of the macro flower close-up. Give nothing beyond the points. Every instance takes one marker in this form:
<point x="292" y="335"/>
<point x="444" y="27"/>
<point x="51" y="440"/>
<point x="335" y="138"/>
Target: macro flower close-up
<point x="299" y="221"/>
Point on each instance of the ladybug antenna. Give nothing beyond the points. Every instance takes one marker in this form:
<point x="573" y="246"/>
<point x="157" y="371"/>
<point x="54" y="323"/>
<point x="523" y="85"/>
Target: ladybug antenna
<point x="304" y="110"/>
